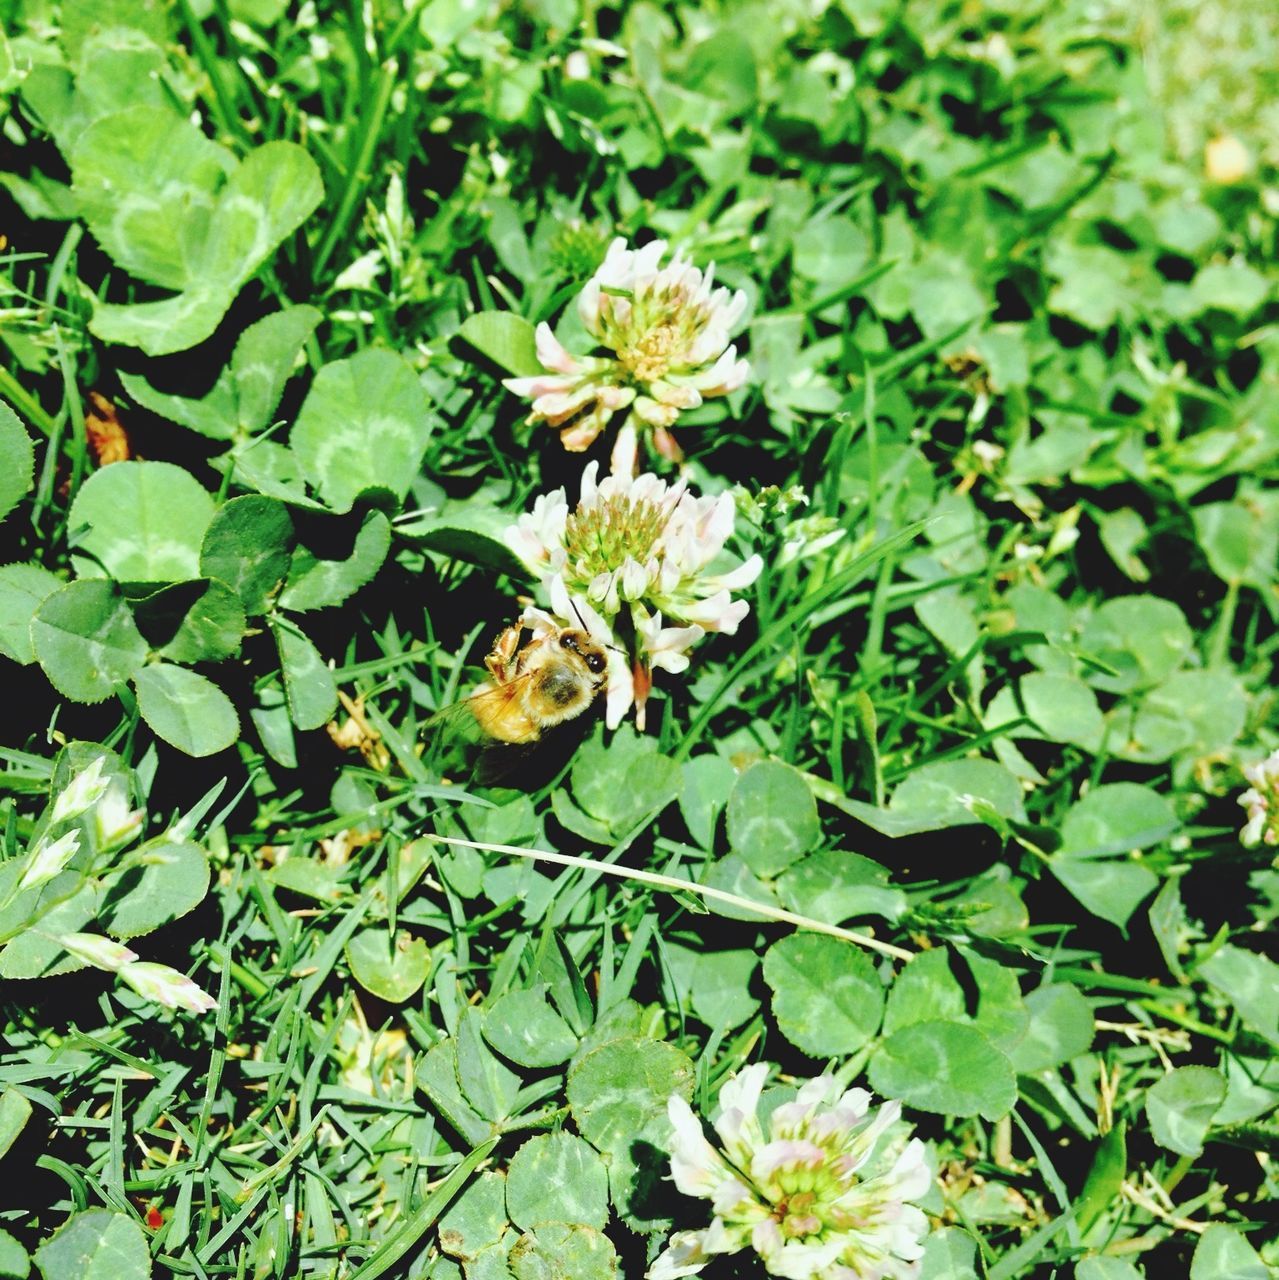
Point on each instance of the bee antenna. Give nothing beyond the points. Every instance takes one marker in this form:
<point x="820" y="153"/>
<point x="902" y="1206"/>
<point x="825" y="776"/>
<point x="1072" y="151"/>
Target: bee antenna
<point x="581" y="622"/>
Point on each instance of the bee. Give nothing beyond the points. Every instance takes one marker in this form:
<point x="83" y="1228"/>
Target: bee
<point x="533" y="687"/>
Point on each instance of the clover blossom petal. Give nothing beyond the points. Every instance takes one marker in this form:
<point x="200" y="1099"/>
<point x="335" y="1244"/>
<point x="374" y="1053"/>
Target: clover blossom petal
<point x="818" y="1191"/>
<point x="668" y="331"/>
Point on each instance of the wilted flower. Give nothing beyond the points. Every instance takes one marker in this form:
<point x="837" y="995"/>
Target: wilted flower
<point x="48" y="859"/>
<point x="100" y="952"/>
<point x="632" y="562"/>
<point x="668" y="329"/>
<point x="799" y="1190"/>
<point x="167" y="986"/>
<point x="1261" y="802"/>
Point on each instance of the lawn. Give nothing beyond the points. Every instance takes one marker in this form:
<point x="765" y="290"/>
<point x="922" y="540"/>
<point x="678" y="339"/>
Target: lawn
<point x="640" y="640"/>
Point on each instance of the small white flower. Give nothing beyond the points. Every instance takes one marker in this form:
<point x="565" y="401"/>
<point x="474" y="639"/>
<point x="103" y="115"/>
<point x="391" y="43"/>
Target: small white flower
<point x="668" y="329"/>
<point x="641" y="556"/>
<point x="801" y="1191"/>
<point x="83" y="792"/>
<point x="48" y="859"/>
<point x="94" y="949"/>
<point x="1261" y="803"/>
<point x="167" y="986"/>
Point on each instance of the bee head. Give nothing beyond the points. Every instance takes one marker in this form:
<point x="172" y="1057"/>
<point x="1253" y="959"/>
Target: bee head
<point x="579" y="643"/>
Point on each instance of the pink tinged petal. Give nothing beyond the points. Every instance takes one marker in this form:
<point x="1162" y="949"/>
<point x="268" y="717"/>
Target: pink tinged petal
<point x="673" y="395"/>
<point x="666" y="445"/>
<point x="642" y="676"/>
<point x="552" y="354"/>
<point x="167" y="986"/>
<point x="789" y="1153"/>
<point x="766" y="1239"/>
<point x="615" y="398"/>
<point x="656" y="415"/>
<point x="577" y="439"/>
<point x="99" y="951"/>
<point x="539" y="385"/>
<point x="559" y="407"/>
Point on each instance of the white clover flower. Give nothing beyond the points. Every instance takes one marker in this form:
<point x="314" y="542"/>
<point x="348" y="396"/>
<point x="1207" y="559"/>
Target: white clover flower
<point x="1261" y="803"/>
<point x="799" y="1191"/>
<point x="48" y="859"/>
<point x="633" y="563"/>
<point x="100" y="952"/>
<point x="668" y="329"/>
<point x="167" y="986"/>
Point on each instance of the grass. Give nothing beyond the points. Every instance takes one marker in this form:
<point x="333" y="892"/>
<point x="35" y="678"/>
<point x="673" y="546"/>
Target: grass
<point x="962" y="789"/>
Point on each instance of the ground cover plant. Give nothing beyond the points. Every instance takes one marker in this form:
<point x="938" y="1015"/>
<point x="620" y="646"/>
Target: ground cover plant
<point x="639" y="641"/>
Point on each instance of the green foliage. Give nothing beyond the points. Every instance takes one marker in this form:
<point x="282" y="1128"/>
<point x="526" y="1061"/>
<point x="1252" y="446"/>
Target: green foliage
<point x="968" y="769"/>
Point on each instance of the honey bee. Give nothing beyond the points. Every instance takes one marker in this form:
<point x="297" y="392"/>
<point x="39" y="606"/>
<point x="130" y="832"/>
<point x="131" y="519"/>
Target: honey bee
<point x="538" y="685"/>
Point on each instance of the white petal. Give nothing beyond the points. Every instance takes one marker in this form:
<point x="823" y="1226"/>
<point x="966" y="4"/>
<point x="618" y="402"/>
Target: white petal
<point x="742" y="576"/>
<point x="620" y="694"/>
<point x="696" y="1167"/>
<point x="551" y="353"/>
<point x="625" y="458"/>
<point x="738" y="1124"/>
<point x="685" y="1255"/>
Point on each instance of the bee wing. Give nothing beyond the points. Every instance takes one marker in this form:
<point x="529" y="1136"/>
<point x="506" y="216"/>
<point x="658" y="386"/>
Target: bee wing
<point x="466" y="718"/>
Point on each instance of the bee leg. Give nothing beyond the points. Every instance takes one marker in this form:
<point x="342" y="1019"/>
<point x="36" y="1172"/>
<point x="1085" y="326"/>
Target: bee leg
<point x="501" y="659"/>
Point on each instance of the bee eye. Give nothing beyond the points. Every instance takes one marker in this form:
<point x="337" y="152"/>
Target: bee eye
<point x="595" y="662"/>
<point x="570" y="643"/>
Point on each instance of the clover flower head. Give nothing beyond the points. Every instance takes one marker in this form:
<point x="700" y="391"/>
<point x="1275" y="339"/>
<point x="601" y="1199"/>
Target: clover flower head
<point x="638" y="556"/>
<point x="1261" y="803"/>
<point x="668" y="329"/>
<point x="808" y="1190"/>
